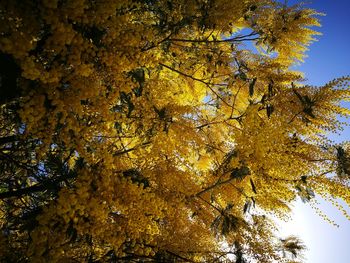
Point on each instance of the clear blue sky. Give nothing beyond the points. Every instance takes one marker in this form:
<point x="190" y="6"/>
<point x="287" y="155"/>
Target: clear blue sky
<point x="327" y="59"/>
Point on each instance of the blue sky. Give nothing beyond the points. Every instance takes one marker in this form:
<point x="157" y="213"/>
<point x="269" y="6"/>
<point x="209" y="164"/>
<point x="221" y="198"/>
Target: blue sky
<point x="327" y="59"/>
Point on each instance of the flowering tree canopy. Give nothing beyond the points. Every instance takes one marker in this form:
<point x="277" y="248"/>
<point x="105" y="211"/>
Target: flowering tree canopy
<point x="160" y="131"/>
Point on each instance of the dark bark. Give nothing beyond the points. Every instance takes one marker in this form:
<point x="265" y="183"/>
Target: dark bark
<point x="9" y="74"/>
<point x="8" y="139"/>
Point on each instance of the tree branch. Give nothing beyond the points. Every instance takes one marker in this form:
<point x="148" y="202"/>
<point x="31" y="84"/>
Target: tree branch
<point x="47" y="185"/>
<point x="230" y="40"/>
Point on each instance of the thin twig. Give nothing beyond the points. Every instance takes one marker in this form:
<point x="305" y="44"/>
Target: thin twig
<point x="199" y="80"/>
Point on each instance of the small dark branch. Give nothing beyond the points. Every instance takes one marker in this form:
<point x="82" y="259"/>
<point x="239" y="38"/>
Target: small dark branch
<point x="213" y="41"/>
<point x="234" y="99"/>
<point x="153" y="45"/>
<point x="199" y="80"/>
<point x="18" y="163"/>
<point x="218" y="183"/>
<point x="48" y="185"/>
<point x="229" y="40"/>
<point x="179" y="257"/>
<point x="218" y="122"/>
<point x="294" y="180"/>
<point x="239" y="190"/>
<point x="208" y="124"/>
<point x="294" y="117"/>
<point x="213" y="206"/>
<point x="282" y="179"/>
<point x="131" y="149"/>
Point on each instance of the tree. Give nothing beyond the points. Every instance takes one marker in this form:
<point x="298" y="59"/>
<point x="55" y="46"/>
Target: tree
<point x="150" y="131"/>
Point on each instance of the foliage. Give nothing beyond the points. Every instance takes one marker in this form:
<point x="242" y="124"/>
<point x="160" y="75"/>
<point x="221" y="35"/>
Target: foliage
<point x="150" y="131"/>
